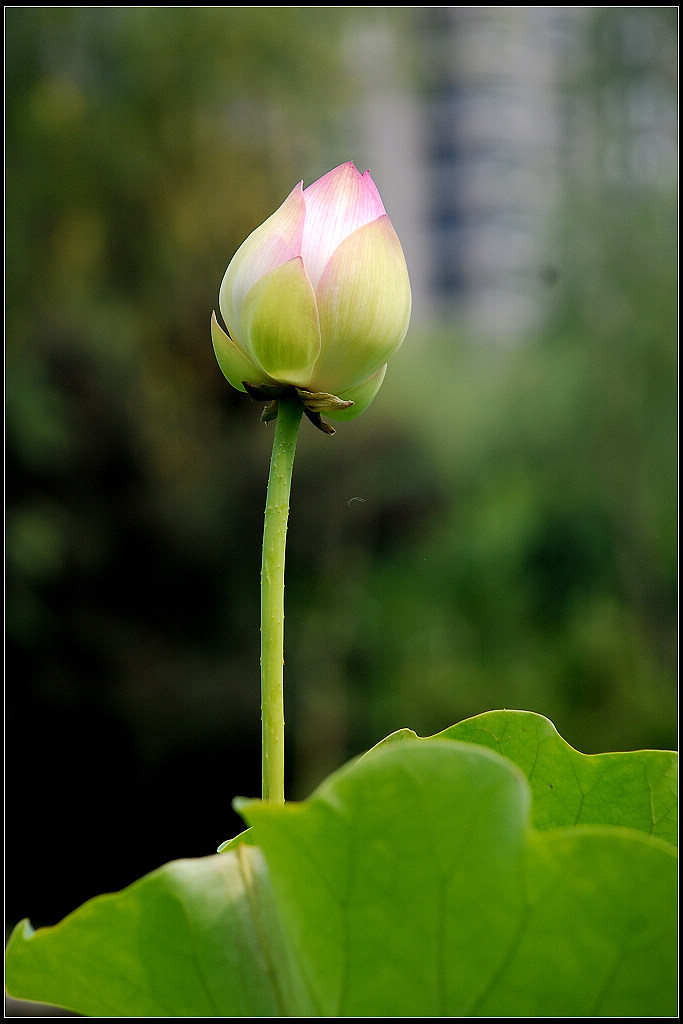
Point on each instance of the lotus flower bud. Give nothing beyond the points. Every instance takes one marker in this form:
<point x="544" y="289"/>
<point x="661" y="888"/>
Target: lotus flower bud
<point x="316" y="299"/>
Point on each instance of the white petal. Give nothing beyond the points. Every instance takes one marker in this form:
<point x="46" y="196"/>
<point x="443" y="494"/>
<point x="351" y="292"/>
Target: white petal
<point x="273" y="243"/>
<point x="281" y="328"/>
<point x="364" y="304"/>
<point x="336" y="205"/>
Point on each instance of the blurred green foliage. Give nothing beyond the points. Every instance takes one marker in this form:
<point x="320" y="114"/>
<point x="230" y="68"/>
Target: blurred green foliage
<point x="499" y="530"/>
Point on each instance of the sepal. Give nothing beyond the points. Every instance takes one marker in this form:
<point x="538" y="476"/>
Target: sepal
<point x="314" y="402"/>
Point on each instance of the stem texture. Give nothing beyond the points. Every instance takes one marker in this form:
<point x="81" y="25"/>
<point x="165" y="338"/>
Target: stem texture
<point x="273" y="599"/>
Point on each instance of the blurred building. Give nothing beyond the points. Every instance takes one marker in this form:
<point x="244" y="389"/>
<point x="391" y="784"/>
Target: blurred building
<point x="475" y="140"/>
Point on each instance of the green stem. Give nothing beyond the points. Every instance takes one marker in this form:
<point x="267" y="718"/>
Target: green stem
<point x="273" y="599"/>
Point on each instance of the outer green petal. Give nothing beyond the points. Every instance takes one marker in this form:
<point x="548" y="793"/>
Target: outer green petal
<point x="364" y="302"/>
<point x="280" y="323"/>
<point x="361" y="395"/>
<point x="235" y="365"/>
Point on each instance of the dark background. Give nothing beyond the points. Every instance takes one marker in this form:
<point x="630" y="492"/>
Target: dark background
<point x="498" y="530"/>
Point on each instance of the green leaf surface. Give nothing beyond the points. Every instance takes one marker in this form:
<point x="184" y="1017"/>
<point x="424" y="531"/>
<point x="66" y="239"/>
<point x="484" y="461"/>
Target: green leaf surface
<point x="636" y="789"/>
<point x="414" y="885"/>
<point x="244" y="838"/>
<point x="195" y="938"/>
<point x="411" y="883"/>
